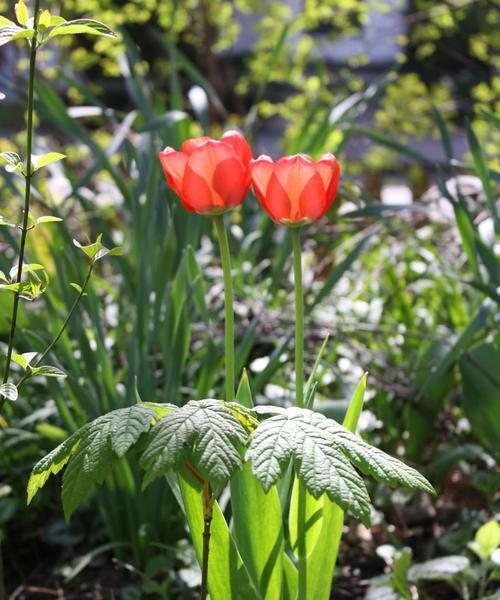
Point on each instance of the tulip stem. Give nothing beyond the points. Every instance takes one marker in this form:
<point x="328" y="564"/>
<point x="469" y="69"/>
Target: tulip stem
<point x="299" y="319"/>
<point x="228" y="305"/>
<point x="299" y="401"/>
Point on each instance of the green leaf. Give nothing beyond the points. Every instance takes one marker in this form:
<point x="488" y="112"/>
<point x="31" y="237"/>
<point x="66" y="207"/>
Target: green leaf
<point x="481" y="393"/>
<point x="77" y="287"/>
<point x="96" y="250"/>
<point x="482" y="171"/>
<point x="322" y="559"/>
<point x="399" y="576"/>
<point x="438" y="568"/>
<point x="52" y="463"/>
<point x="24" y="359"/>
<point x="486" y="540"/>
<point x="44" y="20"/>
<point x="90" y="454"/>
<point x="6" y="223"/>
<point x="11" y="160"/>
<point x="4" y="21"/>
<point x="244" y="392"/>
<point x="205" y="433"/>
<point x="258" y="531"/>
<point x="78" y="26"/>
<point x="8" y="391"/>
<point x="322" y="452"/>
<point x="47" y="219"/>
<point x="296" y="435"/>
<point x="227" y="576"/>
<point x="22" y="14"/>
<point x="9" y="33"/>
<point x="47" y="371"/>
<point x="40" y="161"/>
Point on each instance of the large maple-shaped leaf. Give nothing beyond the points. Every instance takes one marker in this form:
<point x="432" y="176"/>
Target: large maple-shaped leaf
<point x="90" y="453"/>
<point x="204" y="433"/>
<point x="322" y="452"/>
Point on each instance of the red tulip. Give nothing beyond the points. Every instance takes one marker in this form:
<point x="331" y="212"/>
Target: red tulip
<point x="295" y="189"/>
<point x="210" y="176"/>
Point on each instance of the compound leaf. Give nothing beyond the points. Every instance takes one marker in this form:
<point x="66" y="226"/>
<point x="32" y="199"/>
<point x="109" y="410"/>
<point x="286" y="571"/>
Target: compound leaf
<point x="295" y="435"/>
<point x="205" y="433"/>
<point x="322" y="452"/>
<point x="90" y="453"/>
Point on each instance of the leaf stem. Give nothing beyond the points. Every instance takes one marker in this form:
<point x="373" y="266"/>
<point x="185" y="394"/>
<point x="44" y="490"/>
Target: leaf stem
<point x="299" y="401"/>
<point x="208" y="502"/>
<point x="27" y="194"/>
<point x="228" y="305"/>
<point x="63" y="326"/>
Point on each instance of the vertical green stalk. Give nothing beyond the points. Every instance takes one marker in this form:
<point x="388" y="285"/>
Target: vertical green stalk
<point x="299" y="319"/>
<point x="208" y="503"/>
<point x="27" y="194"/>
<point x="299" y="401"/>
<point x="63" y="326"/>
<point x="24" y="230"/>
<point x="228" y="305"/>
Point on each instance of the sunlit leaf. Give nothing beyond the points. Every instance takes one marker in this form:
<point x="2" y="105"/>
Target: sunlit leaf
<point x="45" y="159"/>
<point x="47" y="219"/>
<point x="9" y="391"/>
<point x="78" y="26"/>
<point x="205" y="433"/>
<point x="22" y="14"/>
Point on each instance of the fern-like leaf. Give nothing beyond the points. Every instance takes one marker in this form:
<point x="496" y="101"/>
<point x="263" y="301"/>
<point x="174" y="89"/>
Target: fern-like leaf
<point x="322" y="452"/>
<point x="90" y="453"/>
<point x="205" y="433"/>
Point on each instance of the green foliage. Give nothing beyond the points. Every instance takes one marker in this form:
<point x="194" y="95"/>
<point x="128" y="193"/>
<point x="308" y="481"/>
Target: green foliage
<point x="322" y="452"/>
<point x="205" y="433"/>
<point x="90" y="454"/>
<point x="486" y="540"/>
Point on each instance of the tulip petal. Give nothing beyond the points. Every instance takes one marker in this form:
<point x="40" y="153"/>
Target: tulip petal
<point x="313" y="200"/>
<point x="329" y="169"/>
<point x="239" y="145"/>
<point x="196" y="194"/>
<point x="294" y="173"/>
<point x="230" y="182"/>
<point x="188" y="146"/>
<point x="276" y="201"/>
<point x="261" y="170"/>
<point x="174" y="165"/>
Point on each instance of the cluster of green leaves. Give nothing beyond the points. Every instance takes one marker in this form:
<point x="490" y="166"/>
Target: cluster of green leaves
<point x="467" y="578"/>
<point x="48" y="26"/>
<point x="210" y="436"/>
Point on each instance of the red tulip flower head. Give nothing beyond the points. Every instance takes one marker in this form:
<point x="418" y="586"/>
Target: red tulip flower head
<point x="210" y="176"/>
<point x="295" y="190"/>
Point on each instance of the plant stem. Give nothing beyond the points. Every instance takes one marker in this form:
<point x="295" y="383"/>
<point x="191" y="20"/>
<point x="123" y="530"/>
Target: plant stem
<point x="63" y="326"/>
<point x="228" y="305"/>
<point x="299" y="319"/>
<point x="24" y="230"/>
<point x="299" y="401"/>
<point x="208" y="502"/>
<point x="27" y="194"/>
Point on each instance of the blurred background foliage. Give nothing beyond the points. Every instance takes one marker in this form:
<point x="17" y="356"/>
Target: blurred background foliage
<point x="402" y="275"/>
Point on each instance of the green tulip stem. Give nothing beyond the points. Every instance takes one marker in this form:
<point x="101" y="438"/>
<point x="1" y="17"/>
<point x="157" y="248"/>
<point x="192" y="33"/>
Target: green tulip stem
<point x="299" y="401"/>
<point x="228" y="305"/>
<point x="299" y="319"/>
